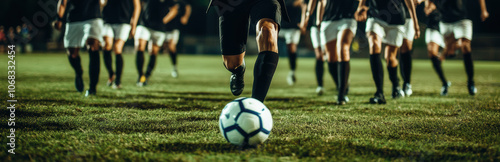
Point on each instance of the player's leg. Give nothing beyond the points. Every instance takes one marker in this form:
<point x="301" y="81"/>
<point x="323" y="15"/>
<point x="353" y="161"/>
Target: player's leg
<point x="141" y="38"/>
<point x="328" y="36"/>
<point x="94" y="64"/>
<point x="343" y="52"/>
<point x="157" y="39"/>
<point x="267" y="60"/>
<point x="172" y="49"/>
<point x="118" y="49"/>
<point x="433" y="51"/>
<point x="318" y="52"/>
<point x="292" y="58"/>
<point x="106" y="54"/>
<point x="73" y="41"/>
<point x="75" y="62"/>
<point x="469" y="65"/>
<point x="391" y="53"/>
<point x="406" y="65"/>
<point x="375" y="45"/>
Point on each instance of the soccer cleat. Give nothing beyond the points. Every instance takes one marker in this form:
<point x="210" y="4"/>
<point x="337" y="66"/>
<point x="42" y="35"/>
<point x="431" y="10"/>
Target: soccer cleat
<point x="444" y="89"/>
<point x="291" y="78"/>
<point x="174" y="73"/>
<point x="79" y="83"/>
<point x="342" y="100"/>
<point x="378" y="98"/>
<point x="90" y="93"/>
<point x="237" y="81"/>
<point x="397" y="92"/>
<point x="407" y="89"/>
<point x="116" y="86"/>
<point x="472" y="88"/>
<point x="320" y="90"/>
<point x="141" y="81"/>
<point x="110" y="81"/>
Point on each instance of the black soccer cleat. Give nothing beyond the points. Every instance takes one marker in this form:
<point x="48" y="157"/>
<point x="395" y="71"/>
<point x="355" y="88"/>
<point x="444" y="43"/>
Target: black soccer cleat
<point x="342" y="100"/>
<point x="397" y="92"/>
<point x="79" y="83"/>
<point x="378" y="98"/>
<point x="237" y="81"/>
<point x="472" y="88"/>
<point x="444" y="89"/>
<point x="90" y="93"/>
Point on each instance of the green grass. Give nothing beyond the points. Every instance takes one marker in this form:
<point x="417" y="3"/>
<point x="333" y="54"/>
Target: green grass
<point x="177" y="119"/>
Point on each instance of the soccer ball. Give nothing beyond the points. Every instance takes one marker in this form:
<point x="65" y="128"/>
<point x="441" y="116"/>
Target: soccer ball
<point x="245" y="121"/>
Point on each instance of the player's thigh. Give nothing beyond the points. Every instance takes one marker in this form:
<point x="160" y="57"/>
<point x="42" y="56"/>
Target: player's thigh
<point x="233" y="32"/>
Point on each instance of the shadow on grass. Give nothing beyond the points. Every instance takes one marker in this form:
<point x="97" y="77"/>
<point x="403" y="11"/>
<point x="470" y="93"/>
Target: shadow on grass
<point x="183" y="147"/>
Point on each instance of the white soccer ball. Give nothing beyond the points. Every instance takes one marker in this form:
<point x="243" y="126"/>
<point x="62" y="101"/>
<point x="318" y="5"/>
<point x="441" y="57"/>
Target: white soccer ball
<point x="245" y="121"/>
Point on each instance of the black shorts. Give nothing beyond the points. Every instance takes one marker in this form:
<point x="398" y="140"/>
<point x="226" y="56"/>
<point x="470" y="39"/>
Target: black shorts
<point x="234" y="22"/>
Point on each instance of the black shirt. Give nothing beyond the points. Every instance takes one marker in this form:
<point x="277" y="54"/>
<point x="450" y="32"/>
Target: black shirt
<point x="118" y="11"/>
<point x="389" y="11"/>
<point x="295" y="13"/>
<point x="81" y="10"/>
<point x="154" y="13"/>
<point x="433" y="20"/>
<point x="176" y="22"/>
<point x="340" y="9"/>
<point x="452" y="10"/>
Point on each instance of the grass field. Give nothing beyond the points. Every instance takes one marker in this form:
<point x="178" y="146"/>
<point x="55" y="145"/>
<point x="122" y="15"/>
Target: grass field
<point x="177" y="119"/>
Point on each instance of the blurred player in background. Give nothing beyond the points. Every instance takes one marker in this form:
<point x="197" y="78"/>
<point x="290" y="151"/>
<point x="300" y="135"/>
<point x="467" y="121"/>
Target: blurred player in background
<point x="173" y="32"/>
<point x="120" y="17"/>
<point x="385" y="24"/>
<point x="151" y="28"/>
<point x="456" y="28"/>
<point x="338" y="28"/>
<point x="291" y="33"/>
<point x="234" y="19"/>
<point x="406" y="50"/>
<point x="84" y="26"/>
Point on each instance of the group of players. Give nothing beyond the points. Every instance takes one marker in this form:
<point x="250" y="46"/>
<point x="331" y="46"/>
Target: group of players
<point x="334" y="26"/>
<point x="108" y="24"/>
<point x="392" y="22"/>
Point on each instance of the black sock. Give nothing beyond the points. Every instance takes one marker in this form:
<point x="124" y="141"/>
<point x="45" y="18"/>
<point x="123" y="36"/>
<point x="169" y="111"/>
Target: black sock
<point x="139" y="62"/>
<point x="436" y="63"/>
<point x="292" y="58"/>
<point x="333" y="69"/>
<point x="377" y="72"/>
<point x="76" y="63"/>
<point x="107" y="62"/>
<point x="151" y="65"/>
<point x="94" y="69"/>
<point x="264" y="69"/>
<point x="119" y="69"/>
<point x="319" y="72"/>
<point x="469" y="67"/>
<point x="344" y="70"/>
<point x="405" y="66"/>
<point x="173" y="58"/>
<point x="393" y="75"/>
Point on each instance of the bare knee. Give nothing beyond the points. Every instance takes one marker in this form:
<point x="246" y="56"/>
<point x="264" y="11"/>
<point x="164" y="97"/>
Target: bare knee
<point x="466" y="47"/>
<point x="432" y="49"/>
<point x="331" y="51"/>
<point x="140" y="45"/>
<point x="391" y="55"/>
<point x="375" y="43"/>
<point x="118" y="46"/>
<point x="93" y="44"/>
<point x="407" y="46"/>
<point x="267" y="35"/>
<point x="73" y="52"/>
<point x="345" y="45"/>
<point x="108" y="43"/>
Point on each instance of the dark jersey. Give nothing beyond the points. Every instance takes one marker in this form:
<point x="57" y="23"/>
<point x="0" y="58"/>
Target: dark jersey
<point x="176" y="22"/>
<point x="154" y="13"/>
<point x="433" y="20"/>
<point x="452" y="10"/>
<point x="295" y="13"/>
<point x="390" y="11"/>
<point x="81" y="10"/>
<point x="340" y="9"/>
<point x="118" y="11"/>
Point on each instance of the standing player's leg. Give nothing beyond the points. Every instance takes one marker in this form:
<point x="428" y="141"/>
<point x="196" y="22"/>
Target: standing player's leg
<point x="406" y="64"/>
<point x="73" y="41"/>
<point x="292" y="38"/>
<point x="106" y="54"/>
<point x="157" y="38"/>
<point x="318" y="52"/>
<point x="172" y="50"/>
<point x="75" y="62"/>
<point x="140" y="47"/>
<point x="267" y="60"/>
<point x="94" y="65"/>
<point x="343" y="53"/>
<point x="333" y="60"/>
<point x="469" y="66"/>
<point x="118" y="49"/>
<point x="391" y="53"/>
<point x="433" y="51"/>
<point x="375" y="44"/>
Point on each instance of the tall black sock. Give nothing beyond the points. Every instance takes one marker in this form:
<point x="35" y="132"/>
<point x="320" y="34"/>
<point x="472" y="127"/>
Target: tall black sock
<point x="333" y="69"/>
<point x="76" y="63"/>
<point x="139" y="62"/>
<point x="344" y="70"/>
<point x="377" y="72"/>
<point x="393" y="75"/>
<point x="319" y="72"/>
<point x="469" y="67"/>
<point x="436" y="63"/>
<point x="94" y="69"/>
<point x="263" y="72"/>
<point x="173" y="58"/>
<point x="119" y="69"/>
<point x="292" y="58"/>
<point x="405" y="66"/>
<point x="151" y="65"/>
<point x="107" y="62"/>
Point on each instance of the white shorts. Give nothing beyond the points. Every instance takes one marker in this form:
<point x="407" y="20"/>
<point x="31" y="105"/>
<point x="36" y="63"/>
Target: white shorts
<point x="117" y="31"/>
<point x="461" y="29"/>
<point x="172" y="35"/>
<point x="433" y="35"/>
<point x="315" y="37"/>
<point x="409" y="30"/>
<point x="292" y="36"/>
<point x="331" y="30"/>
<point x="390" y="34"/>
<point x="77" y="33"/>
<point x="144" y="33"/>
